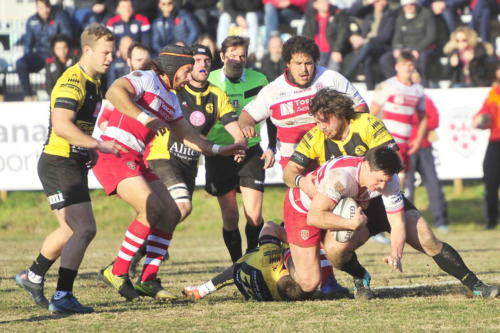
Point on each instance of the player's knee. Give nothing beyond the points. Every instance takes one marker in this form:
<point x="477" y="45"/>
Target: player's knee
<point x="254" y="219"/>
<point x="230" y="216"/>
<point x="155" y="210"/>
<point x="185" y="209"/>
<point x="428" y="240"/>
<point x="309" y="283"/>
<point x="87" y="233"/>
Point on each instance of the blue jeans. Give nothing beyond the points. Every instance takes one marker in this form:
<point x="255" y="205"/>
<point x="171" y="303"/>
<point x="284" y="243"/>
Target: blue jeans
<point x="29" y="63"/>
<point x="272" y="16"/>
<point x="367" y="55"/>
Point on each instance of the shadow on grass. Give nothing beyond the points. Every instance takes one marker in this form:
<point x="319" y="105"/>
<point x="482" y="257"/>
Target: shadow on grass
<point x="420" y="291"/>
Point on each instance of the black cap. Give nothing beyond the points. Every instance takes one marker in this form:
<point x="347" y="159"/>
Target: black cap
<point x="201" y="49"/>
<point x="173" y="57"/>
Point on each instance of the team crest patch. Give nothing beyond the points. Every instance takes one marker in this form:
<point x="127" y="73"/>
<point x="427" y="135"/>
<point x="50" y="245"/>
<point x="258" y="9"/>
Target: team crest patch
<point x="339" y="187"/>
<point x="209" y="108"/>
<point x="463" y="137"/>
<point x="131" y="165"/>
<point x="360" y="150"/>
<point x="304" y="234"/>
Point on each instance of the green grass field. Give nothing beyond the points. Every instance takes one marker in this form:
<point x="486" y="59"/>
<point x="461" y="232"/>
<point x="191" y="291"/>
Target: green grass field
<point x="423" y="298"/>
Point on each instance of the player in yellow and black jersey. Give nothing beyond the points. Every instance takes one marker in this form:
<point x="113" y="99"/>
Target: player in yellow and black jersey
<point x="261" y="274"/>
<point x="63" y="168"/>
<point x="202" y="105"/>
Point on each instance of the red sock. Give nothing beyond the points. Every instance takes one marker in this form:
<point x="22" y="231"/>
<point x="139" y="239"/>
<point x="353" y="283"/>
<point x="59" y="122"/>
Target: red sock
<point x="156" y="249"/>
<point x="326" y="267"/>
<point x="134" y="237"/>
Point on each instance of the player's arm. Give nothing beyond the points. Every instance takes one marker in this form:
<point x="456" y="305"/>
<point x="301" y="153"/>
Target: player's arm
<point x="421" y="133"/>
<point x="247" y="124"/>
<point x="398" y="239"/>
<point x="182" y="130"/>
<point x="379" y="98"/>
<point x="293" y="174"/>
<point x="375" y="109"/>
<point x="320" y="215"/>
<point x="363" y="108"/>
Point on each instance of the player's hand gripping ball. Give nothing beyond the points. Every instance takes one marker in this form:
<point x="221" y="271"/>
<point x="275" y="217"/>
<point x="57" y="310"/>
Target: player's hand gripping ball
<point x="345" y="208"/>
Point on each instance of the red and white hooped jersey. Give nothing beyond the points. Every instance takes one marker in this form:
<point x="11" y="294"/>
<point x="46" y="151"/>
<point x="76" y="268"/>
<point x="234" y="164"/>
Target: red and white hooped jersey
<point x="154" y="99"/>
<point x="399" y="104"/>
<point x="288" y="105"/>
<point x="339" y="178"/>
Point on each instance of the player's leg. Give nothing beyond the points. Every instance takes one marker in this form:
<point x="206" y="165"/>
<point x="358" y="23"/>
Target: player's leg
<point x="251" y="181"/>
<point x="217" y="282"/>
<point x="420" y="236"/>
<point x="491" y="165"/>
<point x="306" y="265"/>
<point x="230" y="216"/>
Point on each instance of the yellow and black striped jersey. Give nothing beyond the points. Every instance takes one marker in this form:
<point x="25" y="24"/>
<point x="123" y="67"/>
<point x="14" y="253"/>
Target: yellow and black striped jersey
<point x="365" y="132"/>
<point x="257" y="273"/>
<point x="78" y="92"/>
<point x="202" y="107"/>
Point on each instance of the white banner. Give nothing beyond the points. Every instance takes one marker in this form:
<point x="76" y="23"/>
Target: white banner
<point x="459" y="151"/>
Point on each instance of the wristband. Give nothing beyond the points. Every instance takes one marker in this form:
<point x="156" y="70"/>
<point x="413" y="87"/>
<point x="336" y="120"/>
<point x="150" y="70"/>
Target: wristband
<point x="142" y="117"/>
<point x="215" y="148"/>
<point x="297" y="180"/>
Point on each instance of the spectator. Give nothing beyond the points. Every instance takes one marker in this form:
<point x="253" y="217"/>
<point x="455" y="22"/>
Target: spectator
<point x="272" y="64"/>
<point x="40" y="29"/>
<point x="173" y="25"/>
<point x="244" y="14"/>
<point x="278" y="11"/>
<point x="128" y="23"/>
<point x="329" y="27"/>
<point x="119" y="66"/>
<point x="206" y="14"/>
<point x="450" y="10"/>
<point x="489" y="118"/>
<point x="482" y="13"/>
<point x="148" y="8"/>
<point x="208" y="41"/>
<point x="470" y="62"/>
<point x="99" y="12"/>
<point x="61" y="59"/>
<point x="415" y="31"/>
<point x="422" y="162"/>
<point x="377" y="30"/>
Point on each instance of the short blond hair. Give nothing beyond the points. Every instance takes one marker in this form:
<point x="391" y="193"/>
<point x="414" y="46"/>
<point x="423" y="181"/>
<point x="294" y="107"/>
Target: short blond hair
<point x="93" y="33"/>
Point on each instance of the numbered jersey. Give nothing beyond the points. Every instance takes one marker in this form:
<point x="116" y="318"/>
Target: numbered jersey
<point x="339" y="178"/>
<point x="288" y="105"/>
<point x="201" y="107"/>
<point x="154" y="99"/>
<point x="257" y="273"/>
<point x="78" y="92"/>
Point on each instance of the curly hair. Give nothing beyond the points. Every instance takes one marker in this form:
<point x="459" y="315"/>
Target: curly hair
<point x="328" y="101"/>
<point x="300" y="44"/>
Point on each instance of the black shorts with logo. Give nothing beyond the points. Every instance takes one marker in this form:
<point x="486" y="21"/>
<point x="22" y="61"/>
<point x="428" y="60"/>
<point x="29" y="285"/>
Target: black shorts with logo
<point x="172" y="172"/>
<point x="64" y="180"/>
<point x="223" y="174"/>
<point x="377" y="217"/>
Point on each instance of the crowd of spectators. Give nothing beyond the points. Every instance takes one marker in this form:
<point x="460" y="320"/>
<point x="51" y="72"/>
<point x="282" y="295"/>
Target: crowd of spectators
<point x="359" y="38"/>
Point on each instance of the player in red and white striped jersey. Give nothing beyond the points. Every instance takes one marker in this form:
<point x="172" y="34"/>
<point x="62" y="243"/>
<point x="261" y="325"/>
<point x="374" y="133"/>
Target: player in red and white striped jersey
<point x="400" y="99"/>
<point x="286" y="100"/>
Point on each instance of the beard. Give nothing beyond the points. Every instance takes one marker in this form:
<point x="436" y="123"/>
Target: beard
<point x="233" y="69"/>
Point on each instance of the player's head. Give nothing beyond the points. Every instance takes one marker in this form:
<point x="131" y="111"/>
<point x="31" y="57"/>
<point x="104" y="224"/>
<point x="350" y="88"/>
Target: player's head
<point x="332" y="112"/>
<point x="289" y="290"/>
<point x="43" y="9"/>
<point x="137" y="56"/>
<point x="174" y="64"/>
<point x="202" y="63"/>
<point x="97" y="44"/>
<point x="383" y="163"/>
<point x="405" y="65"/>
<point x="234" y="53"/>
<point x="300" y="55"/>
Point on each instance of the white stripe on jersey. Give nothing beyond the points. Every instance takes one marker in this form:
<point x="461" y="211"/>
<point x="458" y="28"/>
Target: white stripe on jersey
<point x="126" y="138"/>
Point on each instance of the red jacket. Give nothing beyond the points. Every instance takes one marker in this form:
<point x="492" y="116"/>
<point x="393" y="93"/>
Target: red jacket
<point x="302" y="4"/>
<point x="432" y="122"/>
<point x="492" y="107"/>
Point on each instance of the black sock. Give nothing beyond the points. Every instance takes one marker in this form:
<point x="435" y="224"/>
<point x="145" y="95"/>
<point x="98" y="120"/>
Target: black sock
<point x="232" y="238"/>
<point x="252" y="234"/>
<point x="141" y="253"/>
<point x="66" y="279"/>
<point x="224" y="279"/>
<point x="41" y="265"/>
<point x="354" y="268"/>
<point x="450" y="261"/>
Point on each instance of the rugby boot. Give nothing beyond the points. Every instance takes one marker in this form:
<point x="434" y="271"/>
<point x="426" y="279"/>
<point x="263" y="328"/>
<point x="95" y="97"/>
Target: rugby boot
<point x="484" y="290"/>
<point x="192" y="292"/>
<point x="331" y="290"/>
<point x="67" y="305"/>
<point x="121" y="283"/>
<point x="34" y="289"/>
<point x="154" y="289"/>
<point x="362" y="287"/>
<point x="100" y="275"/>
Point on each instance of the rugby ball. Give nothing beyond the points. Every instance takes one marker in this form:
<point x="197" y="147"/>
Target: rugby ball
<point x="345" y="208"/>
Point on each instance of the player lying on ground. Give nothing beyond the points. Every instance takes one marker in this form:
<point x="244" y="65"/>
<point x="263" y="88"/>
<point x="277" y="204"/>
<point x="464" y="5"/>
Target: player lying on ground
<point x="373" y="182"/>
<point x="260" y="274"/>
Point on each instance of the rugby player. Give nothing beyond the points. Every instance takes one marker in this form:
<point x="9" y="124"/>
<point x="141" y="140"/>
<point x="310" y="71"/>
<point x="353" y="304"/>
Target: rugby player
<point x="261" y="274"/>
<point x="63" y="167"/>
<point x="340" y="132"/>
<point x="224" y="176"/>
<point x="145" y="106"/>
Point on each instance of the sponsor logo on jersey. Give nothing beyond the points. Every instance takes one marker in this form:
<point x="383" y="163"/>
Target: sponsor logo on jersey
<point x="132" y="165"/>
<point x="360" y="150"/>
<point x="74" y="79"/>
<point x="236" y="103"/>
<point x="134" y="28"/>
<point x="296" y="106"/>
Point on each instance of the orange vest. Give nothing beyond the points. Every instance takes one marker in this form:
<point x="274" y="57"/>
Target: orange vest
<point x="491" y="106"/>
